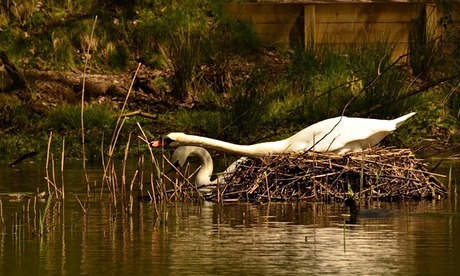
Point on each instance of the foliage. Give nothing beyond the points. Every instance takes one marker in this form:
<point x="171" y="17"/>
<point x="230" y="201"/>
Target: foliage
<point x="63" y="121"/>
<point x="68" y="118"/>
<point x="216" y="64"/>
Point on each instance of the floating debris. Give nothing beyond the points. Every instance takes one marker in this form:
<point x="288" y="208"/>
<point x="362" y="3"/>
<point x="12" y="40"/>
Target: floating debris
<point x="377" y="173"/>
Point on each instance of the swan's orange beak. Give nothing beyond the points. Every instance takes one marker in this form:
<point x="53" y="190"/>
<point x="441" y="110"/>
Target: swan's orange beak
<point x="163" y="142"/>
<point x="157" y="144"/>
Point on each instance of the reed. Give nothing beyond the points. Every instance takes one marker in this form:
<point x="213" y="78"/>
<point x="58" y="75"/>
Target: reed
<point x="131" y="203"/>
<point x="62" y="168"/>
<point x="140" y="170"/>
<point x="109" y="166"/>
<point x="1" y="215"/>
<point x="48" y="161"/>
<point x="82" y="117"/>
<point x="42" y="218"/>
<point x="54" y="176"/>
<point x="83" y="208"/>
<point x="155" y="167"/>
<point x="125" y="161"/>
<point x="51" y="179"/>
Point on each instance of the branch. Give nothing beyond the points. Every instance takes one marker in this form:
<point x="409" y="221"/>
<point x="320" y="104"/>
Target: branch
<point x="19" y="81"/>
<point x="139" y="113"/>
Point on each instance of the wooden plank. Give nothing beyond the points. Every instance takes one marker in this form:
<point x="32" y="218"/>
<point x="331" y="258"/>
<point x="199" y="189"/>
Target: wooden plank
<point x="309" y="26"/>
<point x="275" y="38"/>
<point x="265" y="13"/>
<point x="339" y="33"/>
<point x="360" y="32"/>
<point x="431" y="23"/>
<point x="342" y="23"/>
<point x="278" y="28"/>
<point x="348" y="13"/>
<point x="280" y="34"/>
<point x="398" y="50"/>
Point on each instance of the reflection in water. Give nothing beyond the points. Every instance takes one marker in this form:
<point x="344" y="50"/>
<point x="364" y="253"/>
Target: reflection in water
<point x="211" y="239"/>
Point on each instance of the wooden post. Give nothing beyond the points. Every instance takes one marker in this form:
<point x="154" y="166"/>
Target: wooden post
<point x="309" y="26"/>
<point x="431" y="23"/>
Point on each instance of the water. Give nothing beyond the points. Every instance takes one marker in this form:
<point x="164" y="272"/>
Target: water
<point x="423" y="238"/>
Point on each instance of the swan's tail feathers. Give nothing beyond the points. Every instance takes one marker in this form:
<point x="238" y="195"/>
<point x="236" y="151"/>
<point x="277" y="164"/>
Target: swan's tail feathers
<point x="399" y="121"/>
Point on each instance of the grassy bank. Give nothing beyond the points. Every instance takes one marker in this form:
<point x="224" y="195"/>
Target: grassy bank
<point x="205" y="73"/>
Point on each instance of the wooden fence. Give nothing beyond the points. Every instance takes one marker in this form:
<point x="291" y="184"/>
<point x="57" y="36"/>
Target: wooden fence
<point x="400" y="23"/>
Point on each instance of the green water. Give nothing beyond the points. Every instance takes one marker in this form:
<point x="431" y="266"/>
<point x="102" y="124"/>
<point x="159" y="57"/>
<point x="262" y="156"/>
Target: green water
<point x="423" y="238"/>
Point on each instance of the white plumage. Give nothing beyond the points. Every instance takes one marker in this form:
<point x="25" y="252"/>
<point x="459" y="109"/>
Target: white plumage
<point x="203" y="177"/>
<point x="340" y="135"/>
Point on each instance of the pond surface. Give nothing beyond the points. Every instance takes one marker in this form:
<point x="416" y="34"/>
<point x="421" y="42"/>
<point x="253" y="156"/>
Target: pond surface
<point x="421" y="238"/>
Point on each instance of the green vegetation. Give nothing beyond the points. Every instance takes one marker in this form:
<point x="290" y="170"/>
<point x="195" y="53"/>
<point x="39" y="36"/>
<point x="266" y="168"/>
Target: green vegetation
<point x="216" y="78"/>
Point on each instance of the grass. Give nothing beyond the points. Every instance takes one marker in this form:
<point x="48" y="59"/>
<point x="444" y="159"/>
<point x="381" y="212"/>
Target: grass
<point x="318" y="85"/>
<point x="214" y="64"/>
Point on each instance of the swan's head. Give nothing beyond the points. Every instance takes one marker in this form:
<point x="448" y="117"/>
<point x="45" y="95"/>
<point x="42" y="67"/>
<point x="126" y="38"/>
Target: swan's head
<point x="172" y="139"/>
<point x="179" y="156"/>
<point x="203" y="177"/>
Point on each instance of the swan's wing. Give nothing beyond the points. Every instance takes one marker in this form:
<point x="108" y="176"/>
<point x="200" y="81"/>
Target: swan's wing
<point x="349" y="134"/>
<point x="357" y="134"/>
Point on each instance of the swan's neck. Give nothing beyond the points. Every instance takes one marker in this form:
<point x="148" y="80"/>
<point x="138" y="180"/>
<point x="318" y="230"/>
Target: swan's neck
<point x="203" y="177"/>
<point x="255" y="150"/>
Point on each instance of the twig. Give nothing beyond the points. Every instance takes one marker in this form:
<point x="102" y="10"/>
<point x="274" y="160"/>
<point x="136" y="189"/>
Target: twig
<point x="85" y="211"/>
<point x="82" y="113"/>
<point x="139" y="113"/>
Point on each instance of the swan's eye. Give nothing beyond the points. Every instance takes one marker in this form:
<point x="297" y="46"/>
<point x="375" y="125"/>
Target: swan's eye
<point x="166" y="140"/>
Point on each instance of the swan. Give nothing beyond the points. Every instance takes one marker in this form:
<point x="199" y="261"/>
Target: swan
<point x="340" y="135"/>
<point x="203" y="177"/>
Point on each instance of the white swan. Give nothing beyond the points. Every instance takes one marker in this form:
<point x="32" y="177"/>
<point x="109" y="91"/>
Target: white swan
<point x="339" y="134"/>
<point x="203" y="177"/>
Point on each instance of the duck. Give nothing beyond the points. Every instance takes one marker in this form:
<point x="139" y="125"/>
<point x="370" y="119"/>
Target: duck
<point x="339" y="135"/>
<point x="355" y="211"/>
<point x="203" y="180"/>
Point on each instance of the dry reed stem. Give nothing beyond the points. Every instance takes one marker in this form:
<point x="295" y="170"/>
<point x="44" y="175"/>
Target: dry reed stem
<point x="154" y="165"/>
<point x="62" y="168"/>
<point x="140" y="168"/>
<point x="53" y="184"/>
<point x="111" y="151"/>
<point x="54" y="176"/>
<point x="117" y="129"/>
<point x="125" y="161"/>
<point x="114" y="185"/>
<point x="186" y="177"/>
<point x="47" y="161"/>
<point x="83" y="208"/>
<point x="82" y="113"/>
<point x="132" y="182"/>
<point x="1" y="214"/>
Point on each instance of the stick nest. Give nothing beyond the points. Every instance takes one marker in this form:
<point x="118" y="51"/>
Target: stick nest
<point x="378" y="173"/>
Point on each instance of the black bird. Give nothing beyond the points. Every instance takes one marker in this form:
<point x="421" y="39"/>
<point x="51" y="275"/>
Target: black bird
<point x="364" y="213"/>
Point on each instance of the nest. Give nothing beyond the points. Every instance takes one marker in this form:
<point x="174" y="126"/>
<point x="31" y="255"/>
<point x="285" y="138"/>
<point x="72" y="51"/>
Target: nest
<point x="378" y="173"/>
